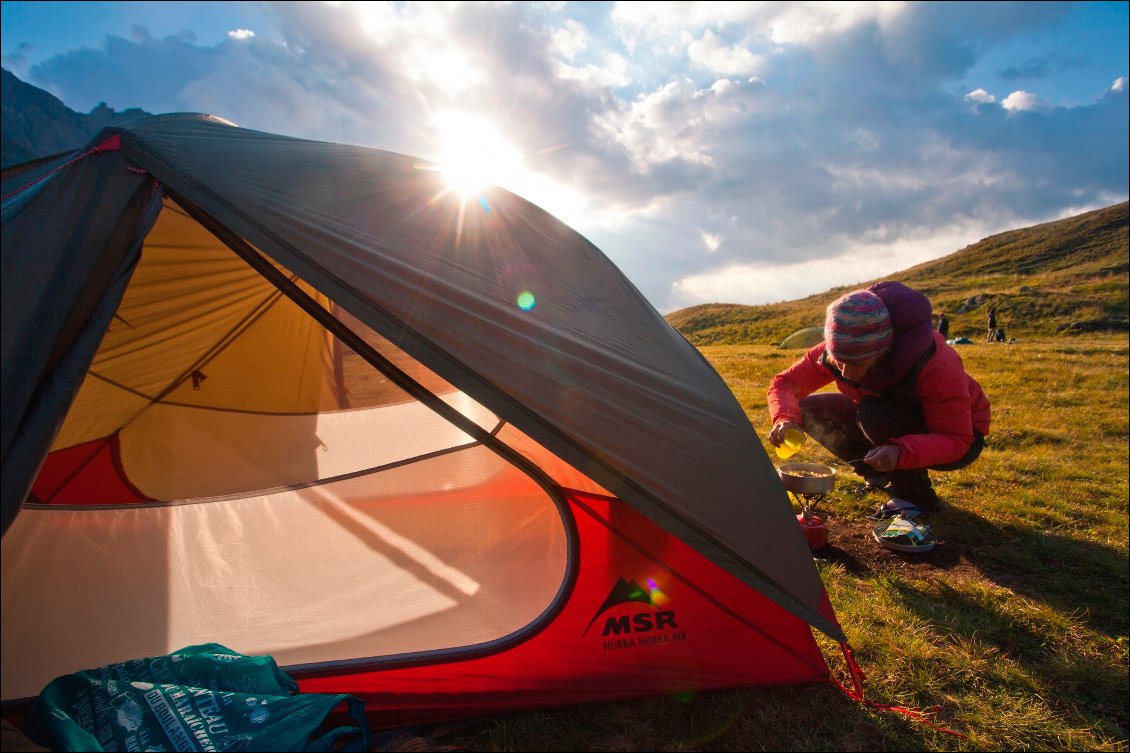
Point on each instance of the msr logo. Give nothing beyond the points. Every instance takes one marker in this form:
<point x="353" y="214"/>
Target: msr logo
<point x="630" y="592"/>
<point x="639" y="623"/>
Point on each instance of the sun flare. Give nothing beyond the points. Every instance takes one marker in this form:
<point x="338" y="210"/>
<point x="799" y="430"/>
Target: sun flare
<point x="473" y="154"/>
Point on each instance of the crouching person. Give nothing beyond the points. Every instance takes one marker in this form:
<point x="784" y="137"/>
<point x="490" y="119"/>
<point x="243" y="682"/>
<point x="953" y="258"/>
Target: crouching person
<point x="904" y="405"/>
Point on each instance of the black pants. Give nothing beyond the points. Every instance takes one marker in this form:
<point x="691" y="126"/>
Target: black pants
<point x="849" y="432"/>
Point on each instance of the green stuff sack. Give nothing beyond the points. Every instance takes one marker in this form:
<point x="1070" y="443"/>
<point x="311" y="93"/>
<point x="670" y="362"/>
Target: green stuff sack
<point x="201" y="698"/>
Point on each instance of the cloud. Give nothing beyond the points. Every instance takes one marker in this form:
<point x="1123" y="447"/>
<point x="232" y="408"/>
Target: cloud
<point x="716" y="152"/>
<point x="1020" y="101"/>
<point x="241" y="34"/>
<point x="139" y="72"/>
<point x="1119" y="84"/>
<point x="635" y="22"/>
<point x="803" y="23"/>
<point x="1042" y="67"/>
<point x="711" y="240"/>
<point x="569" y="40"/>
<point x="16" y="61"/>
<point x="782" y="278"/>
<point x="712" y="54"/>
<point x="980" y="96"/>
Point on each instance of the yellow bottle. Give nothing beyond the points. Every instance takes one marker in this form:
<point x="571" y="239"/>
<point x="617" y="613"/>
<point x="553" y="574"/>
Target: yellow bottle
<point x="791" y="443"/>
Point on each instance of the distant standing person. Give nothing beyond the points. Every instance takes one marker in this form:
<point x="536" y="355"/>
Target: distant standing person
<point x="992" y="325"/>
<point x="943" y="325"/>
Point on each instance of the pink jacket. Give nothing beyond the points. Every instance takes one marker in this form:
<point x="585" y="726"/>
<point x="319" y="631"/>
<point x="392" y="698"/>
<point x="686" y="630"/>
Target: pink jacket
<point x="952" y="402"/>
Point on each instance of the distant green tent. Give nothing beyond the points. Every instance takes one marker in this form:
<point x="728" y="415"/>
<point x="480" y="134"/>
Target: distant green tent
<point x="802" y="338"/>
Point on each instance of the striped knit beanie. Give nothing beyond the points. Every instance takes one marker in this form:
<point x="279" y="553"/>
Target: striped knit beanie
<point x="857" y="327"/>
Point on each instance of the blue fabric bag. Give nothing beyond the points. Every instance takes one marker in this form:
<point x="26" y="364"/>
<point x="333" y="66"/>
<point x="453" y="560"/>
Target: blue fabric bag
<point x="201" y="698"/>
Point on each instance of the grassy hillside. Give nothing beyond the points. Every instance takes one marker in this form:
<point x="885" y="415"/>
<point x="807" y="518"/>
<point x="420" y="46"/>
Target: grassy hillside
<point x="1059" y="278"/>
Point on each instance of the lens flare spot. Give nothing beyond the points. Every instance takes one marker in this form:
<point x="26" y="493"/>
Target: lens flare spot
<point x="526" y="300"/>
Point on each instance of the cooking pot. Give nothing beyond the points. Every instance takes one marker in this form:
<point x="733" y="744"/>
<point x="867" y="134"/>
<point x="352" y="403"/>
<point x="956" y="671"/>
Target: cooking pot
<point x="807" y="478"/>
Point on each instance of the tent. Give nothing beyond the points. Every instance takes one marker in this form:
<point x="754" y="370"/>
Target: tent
<point x="302" y="399"/>
<point x="802" y="339"/>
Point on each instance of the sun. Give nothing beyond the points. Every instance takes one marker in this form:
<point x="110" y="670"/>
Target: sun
<point x="473" y="154"/>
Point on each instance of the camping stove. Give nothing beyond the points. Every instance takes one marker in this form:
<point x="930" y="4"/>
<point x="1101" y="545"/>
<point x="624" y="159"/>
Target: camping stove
<point x="810" y="482"/>
<point x="808" y="502"/>
<point x="811" y="524"/>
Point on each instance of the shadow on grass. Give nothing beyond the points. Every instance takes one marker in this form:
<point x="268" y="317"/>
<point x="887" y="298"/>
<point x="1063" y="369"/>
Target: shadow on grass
<point x="1086" y="580"/>
<point x="1072" y="647"/>
<point x="1083" y="583"/>
<point x="1083" y="684"/>
<point x="815" y="717"/>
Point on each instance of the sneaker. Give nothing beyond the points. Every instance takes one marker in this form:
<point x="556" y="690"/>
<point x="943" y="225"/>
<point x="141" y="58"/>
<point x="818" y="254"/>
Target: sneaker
<point x="896" y="507"/>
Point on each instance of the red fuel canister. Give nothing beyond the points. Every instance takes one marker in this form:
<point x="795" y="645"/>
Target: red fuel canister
<point x="815" y="533"/>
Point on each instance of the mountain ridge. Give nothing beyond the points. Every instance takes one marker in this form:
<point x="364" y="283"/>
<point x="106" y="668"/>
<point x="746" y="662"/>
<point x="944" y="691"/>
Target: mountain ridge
<point x="1064" y="277"/>
<point x="35" y="123"/>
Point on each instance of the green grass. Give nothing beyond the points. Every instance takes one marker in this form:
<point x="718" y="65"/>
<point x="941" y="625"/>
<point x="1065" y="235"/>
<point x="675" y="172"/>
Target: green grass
<point x="1021" y="639"/>
<point x="1061" y="278"/>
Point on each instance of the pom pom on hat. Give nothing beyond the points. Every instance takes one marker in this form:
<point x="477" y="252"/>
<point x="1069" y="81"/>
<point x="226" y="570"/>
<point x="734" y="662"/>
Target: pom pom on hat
<point x="858" y="327"/>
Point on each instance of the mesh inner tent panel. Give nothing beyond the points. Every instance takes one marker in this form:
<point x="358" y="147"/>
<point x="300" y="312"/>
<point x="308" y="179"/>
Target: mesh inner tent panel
<point x="374" y="565"/>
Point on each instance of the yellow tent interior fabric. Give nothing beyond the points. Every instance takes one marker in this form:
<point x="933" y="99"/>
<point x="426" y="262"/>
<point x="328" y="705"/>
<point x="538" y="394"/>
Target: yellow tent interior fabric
<point x="231" y="402"/>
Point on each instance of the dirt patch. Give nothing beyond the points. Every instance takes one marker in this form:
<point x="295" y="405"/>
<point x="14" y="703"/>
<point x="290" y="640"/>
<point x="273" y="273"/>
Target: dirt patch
<point x="850" y="544"/>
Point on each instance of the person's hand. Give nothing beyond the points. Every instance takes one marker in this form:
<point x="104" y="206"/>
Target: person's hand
<point x="777" y="433"/>
<point x="883" y="458"/>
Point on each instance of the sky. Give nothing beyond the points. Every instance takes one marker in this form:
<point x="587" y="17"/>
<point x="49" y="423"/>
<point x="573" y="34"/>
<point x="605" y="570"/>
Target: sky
<point x="725" y="152"/>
